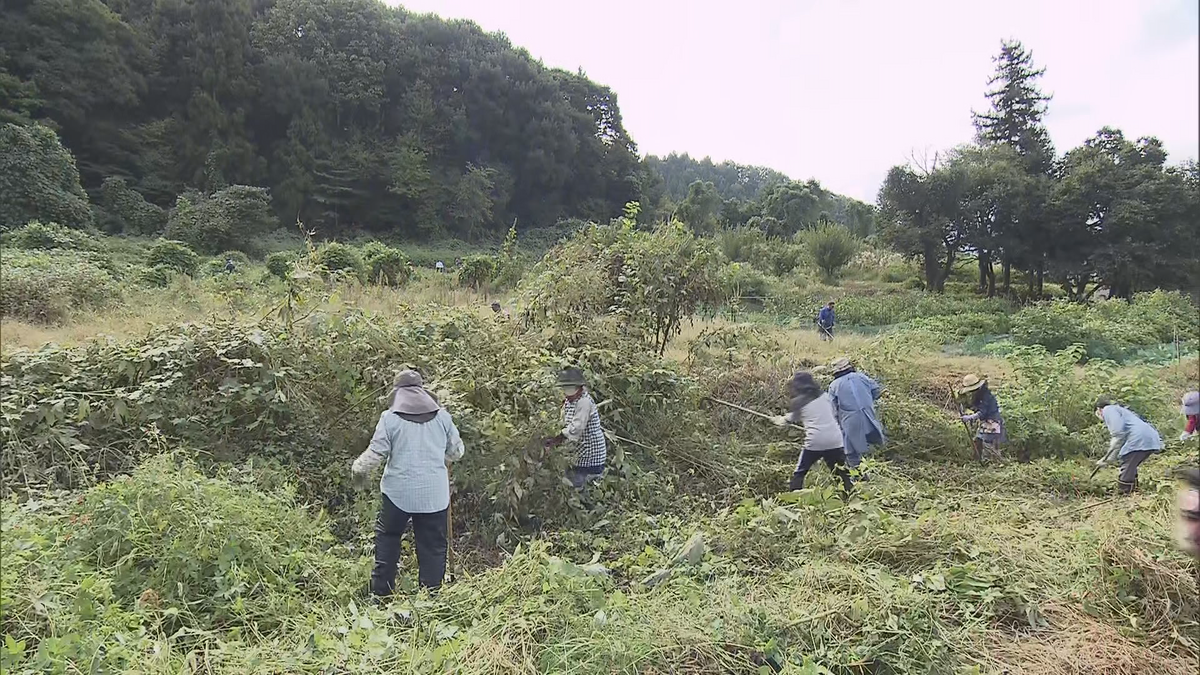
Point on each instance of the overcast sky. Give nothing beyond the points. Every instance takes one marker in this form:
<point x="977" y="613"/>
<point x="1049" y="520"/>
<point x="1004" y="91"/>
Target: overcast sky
<point x="842" y="90"/>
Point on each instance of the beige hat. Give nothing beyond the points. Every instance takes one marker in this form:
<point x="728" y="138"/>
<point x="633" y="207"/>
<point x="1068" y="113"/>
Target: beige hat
<point x="840" y="365"/>
<point x="411" y="397"/>
<point x="972" y="382"/>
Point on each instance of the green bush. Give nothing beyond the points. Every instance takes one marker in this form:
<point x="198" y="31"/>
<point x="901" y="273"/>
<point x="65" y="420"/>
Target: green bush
<point x="49" y="286"/>
<point x="38" y="235"/>
<point x="830" y="246"/>
<point x="336" y="257"/>
<point x="159" y="276"/>
<point x="385" y="265"/>
<point x="280" y="263"/>
<point x="173" y="254"/>
<point x="740" y="281"/>
<point x="125" y="210"/>
<point x="477" y="271"/>
<point x="39" y="179"/>
<point x="232" y="218"/>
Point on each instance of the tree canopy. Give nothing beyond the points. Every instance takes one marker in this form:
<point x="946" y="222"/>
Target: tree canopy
<point x="352" y="113"/>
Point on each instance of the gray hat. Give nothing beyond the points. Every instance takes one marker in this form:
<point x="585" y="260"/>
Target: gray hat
<point x="1191" y="403"/>
<point x="1103" y="402"/>
<point x="571" y="377"/>
<point x="411" y="397"/>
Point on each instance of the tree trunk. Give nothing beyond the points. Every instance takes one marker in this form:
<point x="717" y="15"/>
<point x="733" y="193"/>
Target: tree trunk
<point x="985" y="265"/>
<point x="991" y="277"/>
<point x="1041" y="280"/>
<point x="932" y="271"/>
<point x="1007" y="276"/>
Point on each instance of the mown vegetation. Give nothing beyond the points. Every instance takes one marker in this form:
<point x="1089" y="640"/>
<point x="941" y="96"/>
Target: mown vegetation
<point x="178" y="432"/>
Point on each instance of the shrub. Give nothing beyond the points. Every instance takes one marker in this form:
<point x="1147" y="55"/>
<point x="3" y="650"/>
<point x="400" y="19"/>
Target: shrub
<point x="280" y="263"/>
<point x="649" y="281"/>
<point x="48" y="286"/>
<point x="740" y="281"/>
<point x="232" y="218"/>
<point x="338" y="257"/>
<point x="477" y="271"/>
<point x="159" y="276"/>
<point x="126" y="210"/>
<point x="830" y="246"/>
<point x="385" y="265"/>
<point x="38" y="235"/>
<point x="175" y="255"/>
<point x="39" y="179"/>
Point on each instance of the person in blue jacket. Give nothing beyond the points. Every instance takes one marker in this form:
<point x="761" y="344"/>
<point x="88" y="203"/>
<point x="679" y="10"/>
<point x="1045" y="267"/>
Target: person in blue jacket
<point x="825" y="321"/>
<point x="1132" y="440"/>
<point x="854" y="396"/>
<point x="991" y="432"/>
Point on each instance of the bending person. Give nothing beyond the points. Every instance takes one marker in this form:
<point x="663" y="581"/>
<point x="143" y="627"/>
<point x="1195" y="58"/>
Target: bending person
<point x="813" y="409"/>
<point x="1132" y="440"/>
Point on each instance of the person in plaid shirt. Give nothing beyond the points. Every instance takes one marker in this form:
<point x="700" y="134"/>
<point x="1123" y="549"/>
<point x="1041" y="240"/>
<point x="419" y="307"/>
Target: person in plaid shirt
<point x="581" y="428"/>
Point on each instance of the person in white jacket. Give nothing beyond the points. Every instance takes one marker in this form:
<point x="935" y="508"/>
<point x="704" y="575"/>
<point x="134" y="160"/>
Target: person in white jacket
<point x="813" y="409"/>
<point x="416" y="440"/>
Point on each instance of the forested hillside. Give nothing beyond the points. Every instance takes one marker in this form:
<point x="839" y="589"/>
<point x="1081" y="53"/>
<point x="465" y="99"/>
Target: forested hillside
<point x="729" y="194"/>
<point x="351" y="113"/>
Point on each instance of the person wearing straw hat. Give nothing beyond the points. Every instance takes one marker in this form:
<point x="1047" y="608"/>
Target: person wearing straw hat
<point x="1190" y="407"/>
<point x="990" y="433"/>
<point x="1132" y="440"/>
<point x="854" y="395"/>
<point x="581" y="428"/>
<point x="415" y="440"/>
<point x="814" y="410"/>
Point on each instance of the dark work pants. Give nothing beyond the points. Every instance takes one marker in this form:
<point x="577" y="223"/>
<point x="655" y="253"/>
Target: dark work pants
<point x="1127" y="479"/>
<point x="429" y="534"/>
<point x="835" y="459"/>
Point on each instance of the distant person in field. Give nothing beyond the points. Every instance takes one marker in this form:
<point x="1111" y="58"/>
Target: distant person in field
<point x="1131" y="439"/>
<point x="229" y="266"/>
<point x="581" y="429"/>
<point x="990" y="433"/>
<point x="1190" y="407"/>
<point x="439" y="266"/>
<point x="825" y="321"/>
<point x="500" y="311"/>
<point x="415" y="440"/>
<point x="854" y="395"/>
<point x="814" y="410"/>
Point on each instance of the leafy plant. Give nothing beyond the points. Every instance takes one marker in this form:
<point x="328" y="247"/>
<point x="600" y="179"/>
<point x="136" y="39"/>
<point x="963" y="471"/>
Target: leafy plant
<point x="338" y="257"/>
<point x="477" y="271"/>
<point x="38" y="179"/>
<point x="280" y="263"/>
<point x="830" y="246"/>
<point x="38" y="235"/>
<point x="385" y="265"/>
<point x="174" y="255"/>
<point x="49" y="286"/>
<point x="231" y="218"/>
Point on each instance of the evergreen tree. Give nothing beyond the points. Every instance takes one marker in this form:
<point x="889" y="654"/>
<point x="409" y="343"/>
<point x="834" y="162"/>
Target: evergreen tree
<point x="1017" y="108"/>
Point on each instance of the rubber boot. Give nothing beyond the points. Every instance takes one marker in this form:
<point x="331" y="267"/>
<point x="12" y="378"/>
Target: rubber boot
<point x="1126" y="487"/>
<point x="797" y="481"/>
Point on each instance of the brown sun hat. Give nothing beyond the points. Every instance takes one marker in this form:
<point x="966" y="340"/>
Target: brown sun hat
<point x="410" y="397"/>
<point x="972" y="382"/>
<point x="840" y="365"/>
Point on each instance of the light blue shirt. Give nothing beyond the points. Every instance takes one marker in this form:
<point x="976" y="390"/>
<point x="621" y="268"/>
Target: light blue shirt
<point x="1133" y="432"/>
<point x="415" y="478"/>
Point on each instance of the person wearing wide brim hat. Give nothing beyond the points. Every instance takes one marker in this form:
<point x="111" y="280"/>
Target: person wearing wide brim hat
<point x="415" y="440"/>
<point x="1131" y="440"/>
<point x="990" y="432"/>
<point x="1190" y="407"/>
<point x="854" y="395"/>
<point x="581" y="429"/>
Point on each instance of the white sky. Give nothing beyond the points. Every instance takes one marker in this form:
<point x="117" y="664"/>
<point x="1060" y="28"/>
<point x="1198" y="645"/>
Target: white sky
<point x="841" y="90"/>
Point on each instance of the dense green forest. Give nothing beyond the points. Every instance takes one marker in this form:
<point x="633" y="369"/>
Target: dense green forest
<point x="353" y="114"/>
<point x="217" y="122"/>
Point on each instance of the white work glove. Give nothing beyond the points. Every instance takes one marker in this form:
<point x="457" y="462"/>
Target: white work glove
<point x="780" y="420"/>
<point x="1185" y="436"/>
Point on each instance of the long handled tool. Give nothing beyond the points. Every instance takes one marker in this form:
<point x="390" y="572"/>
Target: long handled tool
<point x="449" y="528"/>
<point x="749" y="411"/>
<point x="826" y="330"/>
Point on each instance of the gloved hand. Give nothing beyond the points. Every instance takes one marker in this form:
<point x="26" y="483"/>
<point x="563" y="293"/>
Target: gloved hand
<point x="360" y="481"/>
<point x="780" y="420"/>
<point x="1185" y="436"/>
<point x="1103" y="461"/>
<point x="970" y="418"/>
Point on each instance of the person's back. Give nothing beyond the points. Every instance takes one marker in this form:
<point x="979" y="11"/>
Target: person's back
<point x="854" y="392"/>
<point x="821" y="429"/>
<point x="1138" y="435"/>
<point x="415" y="474"/>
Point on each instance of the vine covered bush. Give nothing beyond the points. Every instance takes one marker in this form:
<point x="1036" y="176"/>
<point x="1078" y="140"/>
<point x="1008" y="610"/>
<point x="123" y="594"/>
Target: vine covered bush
<point x="39" y="235"/>
<point x="649" y="281"/>
<point x="339" y="257"/>
<point x="49" y="286"/>
<point x="385" y="265"/>
<point x="173" y="255"/>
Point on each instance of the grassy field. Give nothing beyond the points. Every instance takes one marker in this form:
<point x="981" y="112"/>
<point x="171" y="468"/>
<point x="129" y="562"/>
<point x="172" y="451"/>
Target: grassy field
<point x="177" y="497"/>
